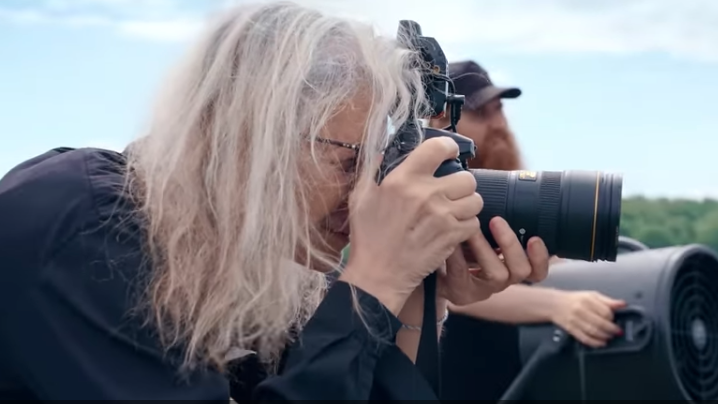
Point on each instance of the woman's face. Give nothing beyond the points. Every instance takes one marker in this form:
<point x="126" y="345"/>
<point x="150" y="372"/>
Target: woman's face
<point x="332" y="178"/>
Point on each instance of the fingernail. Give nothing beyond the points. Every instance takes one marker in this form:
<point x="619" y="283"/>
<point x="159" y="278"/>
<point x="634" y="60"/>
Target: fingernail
<point x="619" y="332"/>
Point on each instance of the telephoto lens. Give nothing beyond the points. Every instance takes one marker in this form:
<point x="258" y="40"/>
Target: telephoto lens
<point x="576" y="213"/>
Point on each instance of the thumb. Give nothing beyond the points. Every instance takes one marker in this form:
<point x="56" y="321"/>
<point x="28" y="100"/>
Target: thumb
<point x="366" y="180"/>
<point x="367" y="176"/>
<point x="456" y="263"/>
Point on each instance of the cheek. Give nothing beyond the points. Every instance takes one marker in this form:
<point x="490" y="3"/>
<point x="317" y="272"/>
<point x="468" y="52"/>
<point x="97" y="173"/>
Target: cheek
<point x="474" y="130"/>
<point x="499" y="121"/>
<point x="325" y="194"/>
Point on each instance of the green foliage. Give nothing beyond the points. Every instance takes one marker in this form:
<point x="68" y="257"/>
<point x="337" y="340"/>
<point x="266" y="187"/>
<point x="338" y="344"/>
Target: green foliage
<point x="664" y="222"/>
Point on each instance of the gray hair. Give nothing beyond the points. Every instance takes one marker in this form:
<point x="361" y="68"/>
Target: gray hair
<point x="218" y="175"/>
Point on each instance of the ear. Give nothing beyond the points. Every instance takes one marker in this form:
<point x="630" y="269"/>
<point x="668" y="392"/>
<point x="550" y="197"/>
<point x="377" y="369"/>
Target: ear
<point x="442" y="122"/>
<point x="438" y="123"/>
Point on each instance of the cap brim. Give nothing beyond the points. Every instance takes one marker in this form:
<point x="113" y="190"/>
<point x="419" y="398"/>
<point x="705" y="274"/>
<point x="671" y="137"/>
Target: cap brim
<point x="490" y="93"/>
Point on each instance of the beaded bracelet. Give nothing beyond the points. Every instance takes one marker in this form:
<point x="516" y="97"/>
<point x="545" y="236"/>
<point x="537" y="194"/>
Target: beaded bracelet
<point x="418" y="327"/>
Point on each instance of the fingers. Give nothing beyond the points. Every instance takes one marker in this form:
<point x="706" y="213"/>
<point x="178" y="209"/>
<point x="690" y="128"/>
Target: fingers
<point x="456" y="262"/>
<point x="612" y="303"/>
<point x="538" y="258"/>
<point x="493" y="271"/>
<point x="458" y="185"/>
<point x="513" y="252"/>
<point x="600" y="327"/>
<point x="428" y="156"/>
<point x="585" y="338"/>
<point x="466" y="229"/>
<point x="590" y="329"/>
<point x="467" y="207"/>
<point x="603" y="308"/>
<point x="593" y="323"/>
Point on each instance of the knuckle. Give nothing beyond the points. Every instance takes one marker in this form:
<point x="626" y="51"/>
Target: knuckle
<point x="393" y="182"/>
<point x="501" y="277"/>
<point x="468" y="182"/>
<point x="442" y="212"/>
<point x="451" y="147"/>
<point x="521" y="272"/>
<point x="443" y="144"/>
<point x="442" y="219"/>
<point x="479" y="202"/>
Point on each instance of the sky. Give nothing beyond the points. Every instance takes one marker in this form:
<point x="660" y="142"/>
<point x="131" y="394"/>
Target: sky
<point x="624" y="86"/>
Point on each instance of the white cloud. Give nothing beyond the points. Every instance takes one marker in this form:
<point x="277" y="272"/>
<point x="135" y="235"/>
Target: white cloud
<point x="170" y="31"/>
<point x="156" y="20"/>
<point x="686" y="29"/>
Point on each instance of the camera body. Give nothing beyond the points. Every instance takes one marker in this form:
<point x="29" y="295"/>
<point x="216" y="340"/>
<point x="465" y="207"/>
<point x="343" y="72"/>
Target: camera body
<point x="433" y="66"/>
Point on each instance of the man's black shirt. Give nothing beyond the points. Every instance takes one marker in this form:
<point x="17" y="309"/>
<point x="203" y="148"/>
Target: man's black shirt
<point x="480" y="359"/>
<point x="71" y="261"/>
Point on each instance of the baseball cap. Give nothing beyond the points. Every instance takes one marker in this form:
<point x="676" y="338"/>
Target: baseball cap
<point x="473" y="82"/>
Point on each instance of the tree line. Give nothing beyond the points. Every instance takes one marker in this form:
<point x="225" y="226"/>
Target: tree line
<point x="667" y="222"/>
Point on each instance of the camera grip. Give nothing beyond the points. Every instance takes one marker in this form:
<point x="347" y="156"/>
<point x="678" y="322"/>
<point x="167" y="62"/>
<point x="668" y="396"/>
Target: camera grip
<point x="448" y="167"/>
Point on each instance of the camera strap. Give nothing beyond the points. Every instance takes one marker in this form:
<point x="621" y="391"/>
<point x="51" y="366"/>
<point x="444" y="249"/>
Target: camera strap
<point x="427" y="357"/>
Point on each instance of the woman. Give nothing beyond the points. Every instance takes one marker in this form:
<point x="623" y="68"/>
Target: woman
<point x="180" y="269"/>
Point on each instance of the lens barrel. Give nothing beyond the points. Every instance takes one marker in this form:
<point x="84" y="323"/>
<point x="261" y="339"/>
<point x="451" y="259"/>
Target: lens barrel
<point x="576" y="213"/>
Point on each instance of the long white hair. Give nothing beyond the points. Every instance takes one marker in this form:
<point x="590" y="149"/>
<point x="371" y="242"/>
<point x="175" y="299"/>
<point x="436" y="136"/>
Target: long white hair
<point x="217" y="178"/>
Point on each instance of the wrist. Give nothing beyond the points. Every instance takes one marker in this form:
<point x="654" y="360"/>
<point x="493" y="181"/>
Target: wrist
<point x="389" y="297"/>
<point x="553" y="304"/>
<point x="413" y="312"/>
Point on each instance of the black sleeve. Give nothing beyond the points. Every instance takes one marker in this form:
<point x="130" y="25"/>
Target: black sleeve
<point x="337" y="353"/>
<point x="67" y="271"/>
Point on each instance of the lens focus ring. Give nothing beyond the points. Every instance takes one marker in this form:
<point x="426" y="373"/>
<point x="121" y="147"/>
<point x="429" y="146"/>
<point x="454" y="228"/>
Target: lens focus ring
<point x="548" y="211"/>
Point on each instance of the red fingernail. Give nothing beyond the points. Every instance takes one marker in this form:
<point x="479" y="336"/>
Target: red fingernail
<point x="620" y="332"/>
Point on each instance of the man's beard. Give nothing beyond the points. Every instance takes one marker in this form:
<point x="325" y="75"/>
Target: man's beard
<point x="498" y="151"/>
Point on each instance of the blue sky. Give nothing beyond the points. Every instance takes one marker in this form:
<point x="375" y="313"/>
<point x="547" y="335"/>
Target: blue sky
<point x="619" y="85"/>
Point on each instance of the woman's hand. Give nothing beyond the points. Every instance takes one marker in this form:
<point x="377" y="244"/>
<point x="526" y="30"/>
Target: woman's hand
<point x="405" y="228"/>
<point x="588" y="317"/>
<point x="474" y="271"/>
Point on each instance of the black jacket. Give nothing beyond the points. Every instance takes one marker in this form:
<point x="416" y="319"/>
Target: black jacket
<point x="70" y="264"/>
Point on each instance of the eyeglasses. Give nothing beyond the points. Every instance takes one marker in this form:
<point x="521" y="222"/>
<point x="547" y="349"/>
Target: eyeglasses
<point x="352" y="146"/>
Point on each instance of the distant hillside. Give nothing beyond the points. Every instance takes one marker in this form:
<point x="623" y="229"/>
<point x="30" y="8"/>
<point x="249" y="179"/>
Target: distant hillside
<point x="665" y="222"/>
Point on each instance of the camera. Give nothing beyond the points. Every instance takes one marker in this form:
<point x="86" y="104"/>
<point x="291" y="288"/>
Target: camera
<point x="576" y="213"/>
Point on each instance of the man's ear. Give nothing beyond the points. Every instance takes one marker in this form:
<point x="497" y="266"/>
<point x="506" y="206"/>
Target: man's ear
<point x="440" y="123"/>
<point x="437" y="123"/>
